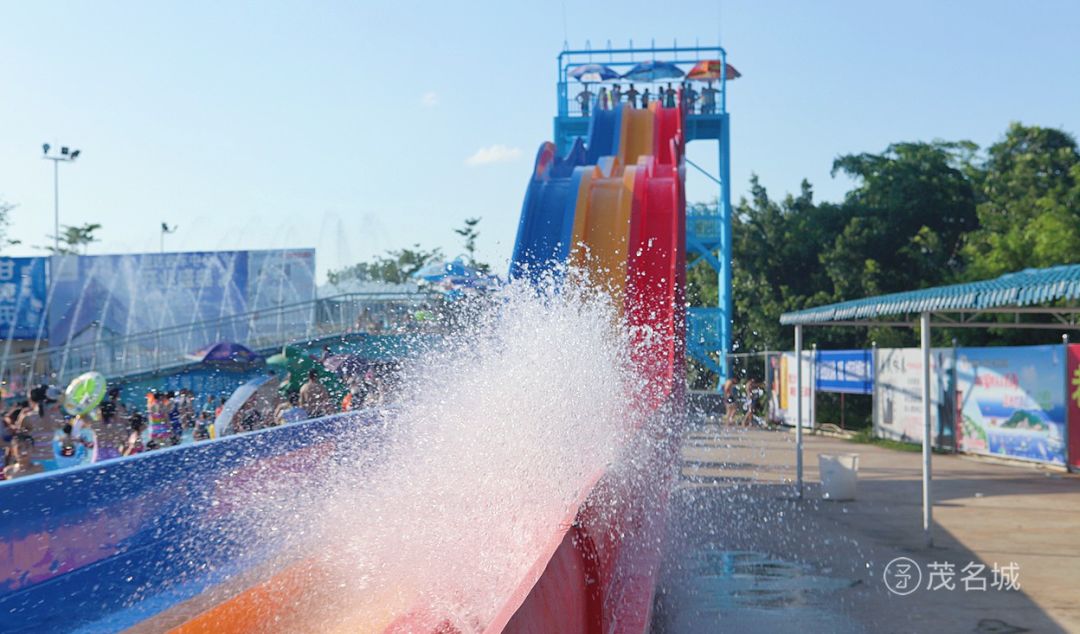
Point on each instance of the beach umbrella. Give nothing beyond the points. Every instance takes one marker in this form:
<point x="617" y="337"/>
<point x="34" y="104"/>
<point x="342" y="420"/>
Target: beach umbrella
<point x="652" y="71"/>
<point x="709" y="70"/>
<point x="225" y="352"/>
<point x="587" y="73"/>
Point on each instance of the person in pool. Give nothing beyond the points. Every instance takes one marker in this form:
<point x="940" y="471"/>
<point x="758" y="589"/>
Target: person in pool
<point x="20" y="462"/>
<point x="134" y="443"/>
<point x="70" y="439"/>
<point x="36" y="421"/>
<point x="11" y="423"/>
<point x="290" y="411"/>
<point x="202" y="426"/>
<point x="159" y="420"/>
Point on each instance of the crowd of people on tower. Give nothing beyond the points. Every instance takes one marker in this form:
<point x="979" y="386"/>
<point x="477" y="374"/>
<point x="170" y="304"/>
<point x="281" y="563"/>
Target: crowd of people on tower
<point x="695" y="101"/>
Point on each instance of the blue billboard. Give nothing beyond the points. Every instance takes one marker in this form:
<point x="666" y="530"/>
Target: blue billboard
<point x="846" y="371"/>
<point x="127" y="294"/>
<point x="23" y="294"/>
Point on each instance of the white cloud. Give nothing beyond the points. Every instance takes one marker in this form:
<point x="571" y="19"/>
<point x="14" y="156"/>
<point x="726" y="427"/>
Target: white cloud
<point x="493" y="154"/>
<point x="429" y="99"/>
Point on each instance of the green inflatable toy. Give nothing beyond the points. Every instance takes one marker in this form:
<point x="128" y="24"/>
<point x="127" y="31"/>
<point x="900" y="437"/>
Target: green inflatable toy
<point x="295" y="362"/>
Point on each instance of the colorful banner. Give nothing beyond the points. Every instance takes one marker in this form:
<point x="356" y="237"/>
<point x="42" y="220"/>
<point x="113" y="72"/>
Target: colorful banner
<point x="787" y="389"/>
<point x="898" y="411"/>
<point x="1073" y="410"/>
<point x="1012" y="402"/>
<point x="846" y="371"/>
<point x="22" y="297"/>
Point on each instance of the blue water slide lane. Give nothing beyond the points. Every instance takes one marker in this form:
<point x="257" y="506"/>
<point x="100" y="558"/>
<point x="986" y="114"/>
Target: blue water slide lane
<point x="603" y="134"/>
<point x="544" y="231"/>
<point x="547" y="216"/>
<point x="102" y="547"/>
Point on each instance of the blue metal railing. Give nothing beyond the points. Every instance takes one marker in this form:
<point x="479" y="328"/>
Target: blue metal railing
<point x="622" y="59"/>
<point x="704" y="223"/>
<point x="705" y="335"/>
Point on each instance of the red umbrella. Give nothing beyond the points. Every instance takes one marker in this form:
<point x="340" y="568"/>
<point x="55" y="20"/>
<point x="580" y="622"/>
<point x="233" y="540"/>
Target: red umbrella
<point x="709" y="70"/>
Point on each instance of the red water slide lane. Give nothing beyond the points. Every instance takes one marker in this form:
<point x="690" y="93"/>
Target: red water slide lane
<point x="602" y="574"/>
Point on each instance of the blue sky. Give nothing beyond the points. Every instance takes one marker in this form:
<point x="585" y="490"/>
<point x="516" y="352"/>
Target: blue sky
<point x="350" y="126"/>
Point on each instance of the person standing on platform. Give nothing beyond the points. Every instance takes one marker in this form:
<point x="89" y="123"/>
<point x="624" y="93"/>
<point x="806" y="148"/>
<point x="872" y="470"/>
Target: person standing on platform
<point x="691" y="97"/>
<point x="584" y="99"/>
<point x="616" y="95"/>
<point x="708" y="99"/>
<point x="602" y="99"/>
<point x="645" y="96"/>
<point x="631" y="96"/>
<point x="669" y="97"/>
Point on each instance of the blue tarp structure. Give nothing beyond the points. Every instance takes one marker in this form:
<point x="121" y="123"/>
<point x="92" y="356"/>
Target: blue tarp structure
<point x="1023" y="288"/>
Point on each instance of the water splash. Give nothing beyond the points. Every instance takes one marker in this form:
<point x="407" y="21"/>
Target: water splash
<point x="499" y="433"/>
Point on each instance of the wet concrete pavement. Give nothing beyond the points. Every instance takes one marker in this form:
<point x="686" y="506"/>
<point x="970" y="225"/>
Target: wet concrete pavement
<point x="746" y="556"/>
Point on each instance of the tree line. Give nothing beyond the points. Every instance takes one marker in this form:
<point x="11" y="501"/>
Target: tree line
<point x="397" y="266"/>
<point x="920" y="214"/>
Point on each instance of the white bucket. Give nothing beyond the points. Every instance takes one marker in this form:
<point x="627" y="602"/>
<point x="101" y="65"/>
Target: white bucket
<point x="839" y="474"/>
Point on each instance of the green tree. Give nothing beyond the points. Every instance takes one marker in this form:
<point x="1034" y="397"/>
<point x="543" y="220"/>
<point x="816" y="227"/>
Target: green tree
<point x="905" y="220"/>
<point x="5" y="221"/>
<point x="1028" y="203"/>
<point x="469" y="232"/>
<point x="395" y="267"/>
<point x="74" y="240"/>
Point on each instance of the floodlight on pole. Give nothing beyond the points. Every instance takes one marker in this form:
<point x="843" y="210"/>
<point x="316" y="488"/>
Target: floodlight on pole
<point x="66" y="155"/>
<point x="165" y="230"/>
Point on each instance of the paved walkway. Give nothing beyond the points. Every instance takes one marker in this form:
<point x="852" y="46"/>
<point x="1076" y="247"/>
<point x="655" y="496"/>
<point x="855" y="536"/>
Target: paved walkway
<point x="748" y="557"/>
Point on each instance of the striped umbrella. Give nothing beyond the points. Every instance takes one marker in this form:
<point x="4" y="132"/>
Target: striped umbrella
<point x="709" y="70"/>
<point x="653" y="71"/>
<point x="587" y="73"/>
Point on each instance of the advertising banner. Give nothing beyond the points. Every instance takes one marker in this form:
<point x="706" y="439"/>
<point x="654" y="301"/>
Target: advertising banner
<point x="136" y="293"/>
<point x="1012" y="402"/>
<point x="128" y="294"/>
<point x="787" y="389"/>
<point x="281" y="278"/>
<point x="898" y="414"/>
<point x="22" y="297"/>
<point x="1073" y="410"/>
<point x="846" y="371"/>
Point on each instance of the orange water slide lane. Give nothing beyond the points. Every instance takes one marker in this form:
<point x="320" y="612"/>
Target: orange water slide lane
<point x="605" y="202"/>
<point x="299" y="598"/>
<point x="637" y="138"/>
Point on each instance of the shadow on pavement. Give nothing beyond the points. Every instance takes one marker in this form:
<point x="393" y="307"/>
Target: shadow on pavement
<point x="745" y="556"/>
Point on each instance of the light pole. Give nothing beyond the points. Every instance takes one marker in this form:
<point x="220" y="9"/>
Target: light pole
<point x="166" y="230"/>
<point x="66" y="155"/>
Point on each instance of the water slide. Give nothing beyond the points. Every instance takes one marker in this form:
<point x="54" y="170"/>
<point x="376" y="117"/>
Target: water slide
<point x="154" y="542"/>
<point x="625" y="209"/>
